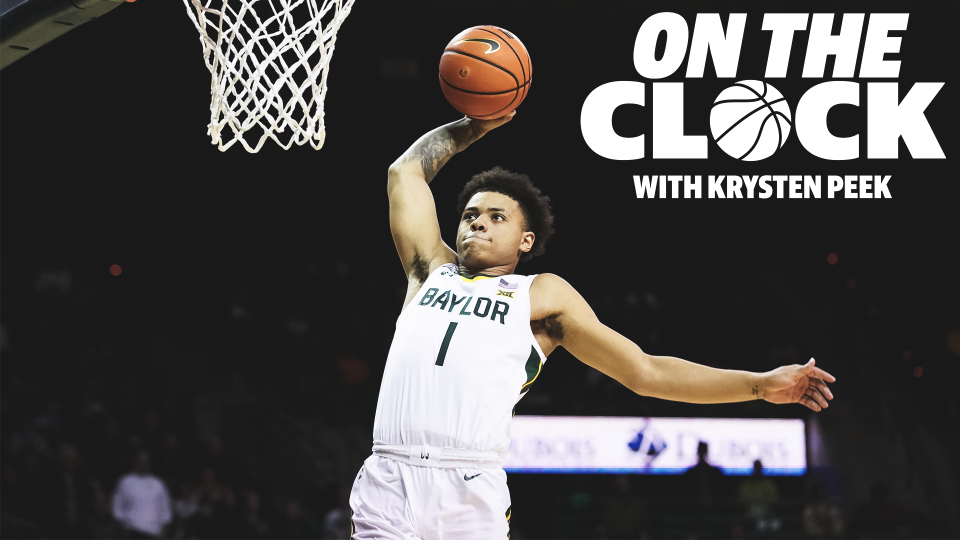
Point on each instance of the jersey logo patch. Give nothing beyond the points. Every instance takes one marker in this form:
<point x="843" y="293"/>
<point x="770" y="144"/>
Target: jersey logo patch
<point x="505" y="288"/>
<point x="469" y="478"/>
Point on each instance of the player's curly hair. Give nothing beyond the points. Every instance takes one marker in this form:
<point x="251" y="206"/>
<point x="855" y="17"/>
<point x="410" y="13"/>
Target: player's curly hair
<point x="537" y="215"/>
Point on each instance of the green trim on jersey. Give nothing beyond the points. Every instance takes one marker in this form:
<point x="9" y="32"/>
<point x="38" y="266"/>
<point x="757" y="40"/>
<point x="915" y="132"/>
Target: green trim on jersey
<point x="533" y="369"/>
<point x="475" y="277"/>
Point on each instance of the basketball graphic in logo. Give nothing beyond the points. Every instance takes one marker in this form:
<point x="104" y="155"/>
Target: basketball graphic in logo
<point x="750" y="120"/>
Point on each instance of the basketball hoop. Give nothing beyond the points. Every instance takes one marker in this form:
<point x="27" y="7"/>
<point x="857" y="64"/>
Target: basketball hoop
<point x="268" y="69"/>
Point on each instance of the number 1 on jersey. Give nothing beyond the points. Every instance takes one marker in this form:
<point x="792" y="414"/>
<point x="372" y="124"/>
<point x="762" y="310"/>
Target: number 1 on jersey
<point x="446" y="343"/>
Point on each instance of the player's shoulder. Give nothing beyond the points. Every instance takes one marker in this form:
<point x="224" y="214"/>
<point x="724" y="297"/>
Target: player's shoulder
<point x="551" y="283"/>
<point x="550" y="294"/>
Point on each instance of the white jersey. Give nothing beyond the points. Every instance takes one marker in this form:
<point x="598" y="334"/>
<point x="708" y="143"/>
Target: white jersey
<point x="462" y="356"/>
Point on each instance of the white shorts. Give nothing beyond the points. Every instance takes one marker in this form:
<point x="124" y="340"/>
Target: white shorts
<point x="443" y="494"/>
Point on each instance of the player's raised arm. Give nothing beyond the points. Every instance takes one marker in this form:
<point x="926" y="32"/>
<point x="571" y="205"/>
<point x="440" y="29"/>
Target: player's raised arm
<point x="413" y="213"/>
<point x="564" y="318"/>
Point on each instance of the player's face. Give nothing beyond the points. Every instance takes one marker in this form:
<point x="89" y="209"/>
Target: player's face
<point x="492" y="231"/>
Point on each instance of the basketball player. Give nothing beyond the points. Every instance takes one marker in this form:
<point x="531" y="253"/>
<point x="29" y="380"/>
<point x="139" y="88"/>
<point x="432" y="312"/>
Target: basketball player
<point x="472" y="338"/>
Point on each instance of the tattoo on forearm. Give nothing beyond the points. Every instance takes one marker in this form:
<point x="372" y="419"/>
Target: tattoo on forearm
<point x="435" y="152"/>
<point x="756" y="391"/>
<point x="438" y="146"/>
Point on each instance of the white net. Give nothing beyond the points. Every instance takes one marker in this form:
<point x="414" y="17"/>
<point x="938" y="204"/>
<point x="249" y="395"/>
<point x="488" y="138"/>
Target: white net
<point x="268" y="61"/>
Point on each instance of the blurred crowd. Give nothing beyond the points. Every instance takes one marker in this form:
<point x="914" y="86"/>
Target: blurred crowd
<point x="702" y="503"/>
<point x="107" y="487"/>
<point x="96" y="442"/>
<point x="105" y="433"/>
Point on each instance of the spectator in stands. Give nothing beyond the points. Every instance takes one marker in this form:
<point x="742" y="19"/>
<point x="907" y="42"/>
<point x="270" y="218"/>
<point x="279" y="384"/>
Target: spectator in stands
<point x="100" y="524"/>
<point x="173" y="462"/>
<point x="623" y="511"/>
<point x="215" y="457"/>
<point x="185" y="506"/>
<point x="252" y="524"/>
<point x="152" y="437"/>
<point x="107" y="452"/>
<point x="705" y="483"/>
<point x="820" y="518"/>
<point x="230" y="515"/>
<point x="210" y="487"/>
<point x="879" y="517"/>
<point x="141" y="503"/>
<point x="758" y="494"/>
<point x="336" y="524"/>
<point x="67" y="496"/>
<point x="293" y="524"/>
<point x="216" y="515"/>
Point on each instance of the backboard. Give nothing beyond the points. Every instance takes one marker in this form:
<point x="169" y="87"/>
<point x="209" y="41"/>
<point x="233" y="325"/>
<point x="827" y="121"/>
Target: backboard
<point x="26" y="25"/>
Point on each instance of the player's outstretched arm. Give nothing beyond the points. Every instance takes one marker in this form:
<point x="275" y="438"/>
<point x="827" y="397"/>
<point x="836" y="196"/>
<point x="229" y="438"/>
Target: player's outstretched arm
<point x="413" y="213"/>
<point x="566" y="319"/>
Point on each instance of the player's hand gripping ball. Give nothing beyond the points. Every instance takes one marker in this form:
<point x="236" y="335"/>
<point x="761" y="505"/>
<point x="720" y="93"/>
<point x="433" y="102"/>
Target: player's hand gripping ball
<point x="485" y="72"/>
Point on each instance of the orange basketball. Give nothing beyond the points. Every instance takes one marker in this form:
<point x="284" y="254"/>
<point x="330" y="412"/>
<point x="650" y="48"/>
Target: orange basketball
<point x="485" y="72"/>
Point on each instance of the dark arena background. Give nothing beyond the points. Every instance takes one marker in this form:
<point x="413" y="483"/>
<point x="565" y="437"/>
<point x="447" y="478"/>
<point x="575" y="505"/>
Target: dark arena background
<point x="230" y="313"/>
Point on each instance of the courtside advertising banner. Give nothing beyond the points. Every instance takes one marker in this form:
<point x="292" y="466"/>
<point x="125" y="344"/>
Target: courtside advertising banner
<point x="632" y="445"/>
